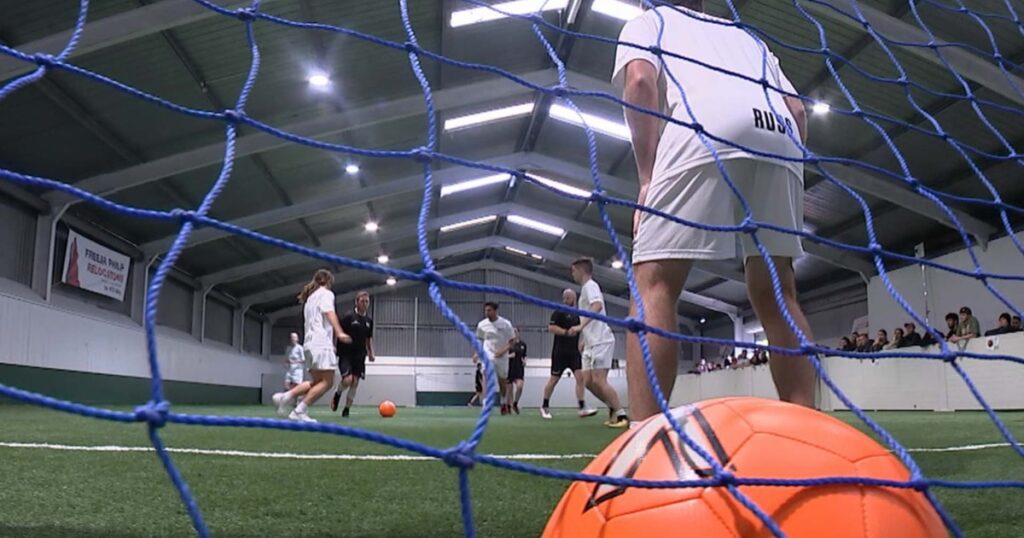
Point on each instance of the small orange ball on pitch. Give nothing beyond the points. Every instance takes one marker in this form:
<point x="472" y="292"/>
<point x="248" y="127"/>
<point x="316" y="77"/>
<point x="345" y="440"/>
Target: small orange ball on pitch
<point x="387" y="409"/>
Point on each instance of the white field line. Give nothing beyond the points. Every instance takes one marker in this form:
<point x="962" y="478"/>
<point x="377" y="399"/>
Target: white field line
<point x="370" y="457"/>
<point x="280" y="455"/>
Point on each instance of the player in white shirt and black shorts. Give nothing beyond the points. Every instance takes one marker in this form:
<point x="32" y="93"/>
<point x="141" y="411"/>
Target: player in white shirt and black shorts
<point x="497" y="335"/>
<point x="679" y="175"/>
<point x="597" y="343"/>
<point x="321" y="329"/>
<point x="295" y="358"/>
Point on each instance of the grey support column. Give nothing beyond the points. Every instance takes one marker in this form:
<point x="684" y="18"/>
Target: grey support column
<point x="44" y="256"/>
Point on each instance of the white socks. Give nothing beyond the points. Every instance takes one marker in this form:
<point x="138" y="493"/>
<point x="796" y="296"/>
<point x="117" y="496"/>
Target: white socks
<point x="301" y="408"/>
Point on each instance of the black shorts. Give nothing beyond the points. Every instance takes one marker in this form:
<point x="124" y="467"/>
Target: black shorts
<point x="516" y="370"/>
<point x="563" y="361"/>
<point x="352" y="366"/>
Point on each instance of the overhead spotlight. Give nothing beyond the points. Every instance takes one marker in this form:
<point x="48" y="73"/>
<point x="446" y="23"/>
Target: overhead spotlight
<point x="352" y="169"/>
<point x="616" y="264"/>
<point x="383" y="258"/>
<point x="821" y="107"/>
<point x="319" y="80"/>
<point x="371" y="226"/>
<point x="391" y="281"/>
<point x="703" y="321"/>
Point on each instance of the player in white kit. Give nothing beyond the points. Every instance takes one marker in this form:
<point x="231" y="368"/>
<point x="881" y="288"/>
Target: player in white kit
<point x="681" y="176"/>
<point x="296" y="362"/>
<point x="498" y="336"/>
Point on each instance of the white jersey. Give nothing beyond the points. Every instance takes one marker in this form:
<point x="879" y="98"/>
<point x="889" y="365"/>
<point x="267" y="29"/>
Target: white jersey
<point x="596" y="332"/>
<point x="726" y="106"/>
<point x="319" y="333"/>
<point x="495" y="335"/>
<point x="296" y="358"/>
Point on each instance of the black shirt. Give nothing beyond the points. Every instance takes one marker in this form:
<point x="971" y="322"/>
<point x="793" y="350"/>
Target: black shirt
<point x="360" y="328"/>
<point x="565" y="345"/>
<point x="911" y="339"/>
<point x="519" y="350"/>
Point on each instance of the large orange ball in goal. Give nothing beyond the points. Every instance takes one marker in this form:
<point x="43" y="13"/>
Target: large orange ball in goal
<point x="751" y="438"/>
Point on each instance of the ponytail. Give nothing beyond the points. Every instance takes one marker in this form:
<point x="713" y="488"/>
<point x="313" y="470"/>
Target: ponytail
<point x="322" y="277"/>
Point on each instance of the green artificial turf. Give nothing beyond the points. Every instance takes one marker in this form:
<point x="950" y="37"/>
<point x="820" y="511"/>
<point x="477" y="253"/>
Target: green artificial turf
<point x="46" y="493"/>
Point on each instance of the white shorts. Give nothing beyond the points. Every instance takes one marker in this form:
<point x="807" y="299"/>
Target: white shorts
<point x="501" y="367"/>
<point x="294" y="376"/>
<point x="598" y="356"/>
<point x="773" y="192"/>
<point x="321" y="359"/>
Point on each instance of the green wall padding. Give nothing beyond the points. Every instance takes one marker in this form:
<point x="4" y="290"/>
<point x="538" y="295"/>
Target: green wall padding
<point x="92" y="388"/>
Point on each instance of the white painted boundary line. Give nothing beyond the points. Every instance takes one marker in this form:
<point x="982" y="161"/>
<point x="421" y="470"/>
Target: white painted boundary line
<point x="372" y="457"/>
<point x="964" y="448"/>
<point x="281" y="455"/>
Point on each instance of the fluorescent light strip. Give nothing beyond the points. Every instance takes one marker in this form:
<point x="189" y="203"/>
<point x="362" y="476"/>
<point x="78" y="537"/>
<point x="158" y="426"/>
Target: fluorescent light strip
<point x="616" y="9"/>
<point x="599" y="124"/>
<point x="468" y="223"/>
<point x="559" y="186"/>
<point x="523" y="253"/>
<point x="536" y="225"/>
<point x="466" y="17"/>
<point x="474" y="184"/>
<point x="487" y="116"/>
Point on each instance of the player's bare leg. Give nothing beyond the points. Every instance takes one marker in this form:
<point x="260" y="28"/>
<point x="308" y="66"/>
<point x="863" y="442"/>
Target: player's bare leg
<point x="598" y="384"/>
<point x="794" y="376"/>
<point x="284" y="399"/>
<point x="660" y="284"/>
<point x="353" y="388"/>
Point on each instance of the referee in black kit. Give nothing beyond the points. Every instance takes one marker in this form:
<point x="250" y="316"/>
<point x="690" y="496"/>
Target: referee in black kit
<point x="565" y="355"/>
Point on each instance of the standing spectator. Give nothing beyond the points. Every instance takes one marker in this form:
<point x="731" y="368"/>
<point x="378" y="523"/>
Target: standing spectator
<point x="897" y="339"/>
<point x="845" y="344"/>
<point x="1015" y="324"/>
<point x="881" y="341"/>
<point x="951" y="322"/>
<point x="1004" y="326"/>
<point x="967" y="328"/>
<point x="910" y="336"/>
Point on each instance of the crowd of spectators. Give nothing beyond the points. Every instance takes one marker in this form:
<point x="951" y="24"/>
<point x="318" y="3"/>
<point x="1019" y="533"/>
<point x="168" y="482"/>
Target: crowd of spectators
<point x="959" y="328"/>
<point x="732" y="361"/>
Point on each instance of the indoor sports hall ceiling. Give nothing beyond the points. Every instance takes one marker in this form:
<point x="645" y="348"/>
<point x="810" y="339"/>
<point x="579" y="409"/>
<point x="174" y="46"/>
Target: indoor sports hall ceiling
<point x="136" y="153"/>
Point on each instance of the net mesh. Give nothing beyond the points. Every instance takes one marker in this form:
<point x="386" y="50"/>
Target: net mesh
<point x="157" y="412"/>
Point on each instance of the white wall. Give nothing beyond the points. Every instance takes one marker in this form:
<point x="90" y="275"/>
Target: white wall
<point x="70" y="335"/>
<point x="399" y="378"/>
<point x="886" y="384"/>
<point x="947" y="292"/>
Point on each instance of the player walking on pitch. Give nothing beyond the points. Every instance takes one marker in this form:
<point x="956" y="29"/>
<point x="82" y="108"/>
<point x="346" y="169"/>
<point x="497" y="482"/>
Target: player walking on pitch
<point x="497" y="335"/>
<point x="597" y="343"/>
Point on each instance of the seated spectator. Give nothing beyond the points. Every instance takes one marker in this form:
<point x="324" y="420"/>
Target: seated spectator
<point x="1004" y="326"/>
<point x="703" y="365"/>
<point x="881" y="340"/>
<point x="863" y="343"/>
<point x="967" y="328"/>
<point x="1015" y="324"/>
<point x="910" y="336"/>
<point x="897" y="339"/>
<point x="845" y="344"/>
<point x="951" y="322"/>
<point x="927" y="339"/>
